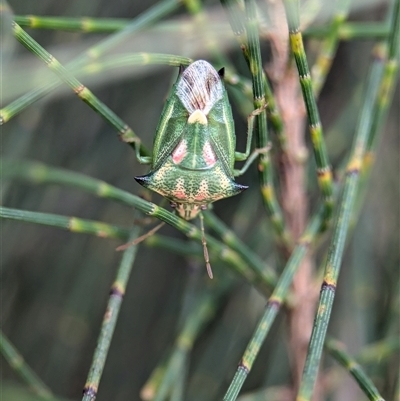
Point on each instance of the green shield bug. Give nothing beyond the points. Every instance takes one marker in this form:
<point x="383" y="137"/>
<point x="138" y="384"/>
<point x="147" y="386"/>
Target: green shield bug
<point x="194" y="147"/>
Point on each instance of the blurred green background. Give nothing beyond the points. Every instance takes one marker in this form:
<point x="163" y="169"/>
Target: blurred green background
<point x="55" y="284"/>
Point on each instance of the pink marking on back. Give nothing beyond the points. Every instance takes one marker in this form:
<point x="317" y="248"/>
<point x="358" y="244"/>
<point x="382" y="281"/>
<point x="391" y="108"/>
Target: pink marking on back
<point x="209" y="156"/>
<point x="179" y="194"/>
<point x="200" y="196"/>
<point x="179" y="152"/>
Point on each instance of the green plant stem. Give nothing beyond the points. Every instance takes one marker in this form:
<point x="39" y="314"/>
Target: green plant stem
<point x="17" y="362"/>
<point x="352" y="31"/>
<point x="125" y="132"/>
<point x="336" y="248"/>
<point x="236" y="18"/>
<point x="142" y="21"/>
<point x="72" y="224"/>
<point x="251" y="51"/>
<point x="38" y="173"/>
<point x="381" y="350"/>
<point x="202" y="312"/>
<point x="273" y="306"/>
<point x="110" y="320"/>
<point x="253" y="56"/>
<point x="337" y="350"/>
<point x="390" y="54"/>
<point x="329" y="46"/>
<point x="130" y="59"/>
<point x="320" y="153"/>
<point x="87" y="25"/>
<point x="229" y="238"/>
<point x="346" y="31"/>
<point x="180" y="247"/>
<point x="152" y="384"/>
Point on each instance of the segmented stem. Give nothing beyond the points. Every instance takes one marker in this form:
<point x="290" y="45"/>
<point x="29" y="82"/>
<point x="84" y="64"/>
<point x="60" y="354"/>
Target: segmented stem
<point x="198" y="316"/>
<point x="253" y="54"/>
<point x="390" y="54"/>
<point x="39" y="173"/>
<point x="117" y="293"/>
<point x="273" y="306"/>
<point x="337" y="350"/>
<point x="248" y="38"/>
<point x="149" y="16"/>
<point x="85" y="24"/>
<point x="229" y="238"/>
<point x="17" y="363"/>
<point x="73" y="224"/>
<point x="352" y="31"/>
<point x="80" y="90"/>
<point x="336" y="248"/>
<point x="321" y="156"/>
<point x="320" y="69"/>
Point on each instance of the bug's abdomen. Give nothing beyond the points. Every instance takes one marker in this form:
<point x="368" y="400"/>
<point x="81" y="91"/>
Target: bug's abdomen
<point x="191" y="186"/>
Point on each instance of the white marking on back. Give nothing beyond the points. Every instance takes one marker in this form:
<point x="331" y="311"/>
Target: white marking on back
<point x="200" y="87"/>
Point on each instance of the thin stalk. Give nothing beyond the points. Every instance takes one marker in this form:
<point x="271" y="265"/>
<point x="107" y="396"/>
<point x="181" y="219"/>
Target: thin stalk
<point x="73" y="224"/>
<point x="178" y="390"/>
<point x="324" y="172"/>
<point x="179" y="247"/>
<point x="39" y="173"/>
<point x="196" y="8"/>
<point x="265" y="162"/>
<point x="152" y="384"/>
<point x="390" y="54"/>
<point x="202" y="312"/>
<point x="320" y="69"/>
<point x="229" y="238"/>
<point x="346" y="31"/>
<point x="251" y="50"/>
<point x="236" y="19"/>
<point x="381" y="350"/>
<point x="351" y="31"/>
<point x="130" y="59"/>
<point x="74" y="24"/>
<point x="142" y="21"/>
<point x="336" y="248"/>
<point x="17" y="363"/>
<point x="273" y="306"/>
<point x="125" y="132"/>
<point x="200" y="20"/>
<point x="110" y="320"/>
<point x="337" y="350"/>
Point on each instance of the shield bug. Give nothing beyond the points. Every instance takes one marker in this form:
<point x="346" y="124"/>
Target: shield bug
<point x="194" y="147"/>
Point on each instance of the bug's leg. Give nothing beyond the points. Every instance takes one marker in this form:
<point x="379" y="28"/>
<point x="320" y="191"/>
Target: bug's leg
<point x="142" y="159"/>
<point x="205" y="250"/>
<point x="239" y="156"/>
<point x="250" y="159"/>
<point x="140" y="239"/>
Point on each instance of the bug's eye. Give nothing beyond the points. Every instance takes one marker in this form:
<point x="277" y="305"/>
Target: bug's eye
<point x="173" y="205"/>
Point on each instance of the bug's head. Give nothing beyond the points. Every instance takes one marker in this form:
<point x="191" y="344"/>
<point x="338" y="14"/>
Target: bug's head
<point x="187" y="211"/>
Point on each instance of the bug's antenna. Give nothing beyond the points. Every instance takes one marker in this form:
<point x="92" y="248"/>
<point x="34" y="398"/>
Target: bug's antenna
<point x="205" y="250"/>
<point x="140" y="239"/>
